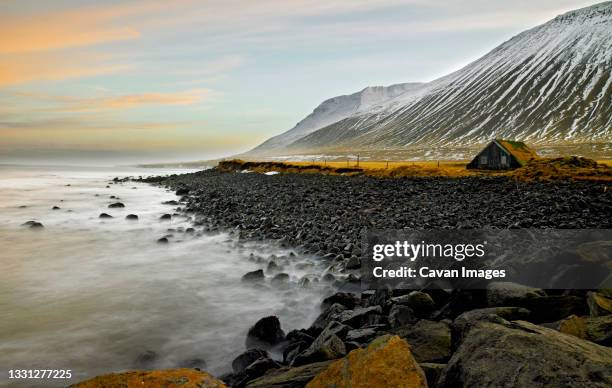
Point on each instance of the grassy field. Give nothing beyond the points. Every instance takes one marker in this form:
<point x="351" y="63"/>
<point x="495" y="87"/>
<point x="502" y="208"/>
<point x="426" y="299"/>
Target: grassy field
<point x="568" y="168"/>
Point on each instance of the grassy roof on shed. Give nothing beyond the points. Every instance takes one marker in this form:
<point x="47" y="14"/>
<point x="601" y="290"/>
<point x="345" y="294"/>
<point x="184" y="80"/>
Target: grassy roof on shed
<point x="519" y="150"/>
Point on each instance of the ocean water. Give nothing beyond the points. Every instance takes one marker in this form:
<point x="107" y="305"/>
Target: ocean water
<point x="92" y="295"/>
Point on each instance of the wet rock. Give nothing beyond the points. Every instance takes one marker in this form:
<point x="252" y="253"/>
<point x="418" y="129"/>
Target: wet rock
<point x="347" y="300"/>
<point x="173" y="202"/>
<point x="421" y="303"/>
<point x="465" y="321"/>
<point x="182" y="191"/>
<point x="33" y="224"/>
<point x="385" y="363"/>
<point x="272" y="267"/>
<point x="116" y="205"/>
<point x="328" y="278"/>
<point x="131" y="217"/>
<point x="55" y="208"/>
<point x="187" y="378"/>
<point x="245" y="359"/>
<point x="527" y="355"/>
<point x="327" y="346"/>
<point x="599" y="304"/>
<point x="289" y="377"/>
<point x="361" y="316"/>
<point x="332" y="313"/>
<point x="162" y="240"/>
<point x="265" y="333"/>
<point x="401" y="315"/>
<point x="280" y="279"/>
<point x="353" y="263"/>
<point x="104" y="215"/>
<point x="510" y="294"/>
<point x="260" y="366"/>
<point x="253" y="276"/>
<point x="430" y="341"/>
<point x="165" y="217"/>
<point x="361" y="336"/>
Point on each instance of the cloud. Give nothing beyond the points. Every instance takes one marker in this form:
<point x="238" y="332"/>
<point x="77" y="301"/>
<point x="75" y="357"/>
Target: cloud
<point x="116" y="102"/>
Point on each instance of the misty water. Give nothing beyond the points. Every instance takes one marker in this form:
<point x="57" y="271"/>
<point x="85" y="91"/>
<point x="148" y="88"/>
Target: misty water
<point x="91" y="294"/>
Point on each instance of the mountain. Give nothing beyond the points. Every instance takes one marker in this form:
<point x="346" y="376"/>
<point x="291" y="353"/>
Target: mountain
<point x="550" y="85"/>
<point x="333" y="110"/>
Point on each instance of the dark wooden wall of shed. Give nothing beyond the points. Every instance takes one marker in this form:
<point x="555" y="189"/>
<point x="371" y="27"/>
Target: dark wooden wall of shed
<point x="493" y="153"/>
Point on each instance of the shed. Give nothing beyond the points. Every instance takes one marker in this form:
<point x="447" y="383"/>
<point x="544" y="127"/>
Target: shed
<point x="503" y="154"/>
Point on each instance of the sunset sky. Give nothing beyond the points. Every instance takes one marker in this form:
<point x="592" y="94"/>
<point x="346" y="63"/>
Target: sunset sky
<point x="145" y="81"/>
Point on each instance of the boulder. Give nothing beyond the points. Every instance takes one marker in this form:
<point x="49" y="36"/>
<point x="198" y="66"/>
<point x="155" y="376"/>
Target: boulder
<point x="361" y="336"/>
<point x="182" y="191"/>
<point x="430" y="341"/>
<point x="116" y="205"/>
<point x="265" y="333"/>
<point x="401" y="315"/>
<point x="465" y="321"/>
<point x="33" y="224"/>
<point x="599" y="304"/>
<point x="521" y="354"/>
<point x="104" y="215"/>
<point x="594" y="329"/>
<point x="386" y="362"/>
<point x="280" y="279"/>
<point x="419" y="302"/>
<point x="289" y="377"/>
<point x="332" y="313"/>
<point x="327" y="346"/>
<point x="162" y="240"/>
<point x="55" y="208"/>
<point x="146" y="359"/>
<point x="346" y="299"/>
<point x="259" y="367"/>
<point x="247" y="358"/>
<point x="510" y="294"/>
<point x="131" y="217"/>
<point x="253" y="276"/>
<point x="165" y="217"/>
<point x="361" y="316"/>
<point x="187" y="378"/>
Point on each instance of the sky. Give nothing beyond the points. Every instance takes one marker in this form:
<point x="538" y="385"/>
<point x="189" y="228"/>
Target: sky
<point x="116" y="82"/>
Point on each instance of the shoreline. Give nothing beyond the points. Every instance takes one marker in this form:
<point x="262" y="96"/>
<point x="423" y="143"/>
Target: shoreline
<point x="323" y="216"/>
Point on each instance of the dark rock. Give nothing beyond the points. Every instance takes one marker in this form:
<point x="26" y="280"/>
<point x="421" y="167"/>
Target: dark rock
<point x="421" y="303"/>
<point x="555" y="307"/>
<point x="361" y="316"/>
<point x="361" y="336"/>
<point x="165" y="217"/>
<point x="327" y="346"/>
<point x="33" y="225"/>
<point x="280" y="279"/>
<point x="131" y="217"/>
<point x="182" y="191"/>
<point x="247" y="358"/>
<point x="465" y="321"/>
<point x="162" y="240"/>
<point x="254" y="276"/>
<point x="510" y="294"/>
<point x="401" y="315"/>
<point x="272" y="267"/>
<point x="332" y="313"/>
<point x="345" y="299"/>
<point x="594" y="329"/>
<point x="353" y="263"/>
<point x="173" y="202"/>
<point x="260" y="366"/>
<point x="265" y="333"/>
<point x="522" y="354"/>
<point x="599" y="304"/>
<point x="104" y="215"/>
<point x="429" y="341"/>
<point x="55" y="208"/>
<point x="116" y="205"/>
<point x="289" y="377"/>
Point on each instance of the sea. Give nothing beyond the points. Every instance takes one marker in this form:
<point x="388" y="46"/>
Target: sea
<point x="95" y="296"/>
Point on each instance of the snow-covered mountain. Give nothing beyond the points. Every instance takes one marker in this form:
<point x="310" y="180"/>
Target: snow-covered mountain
<point x="548" y="85"/>
<point x="333" y="110"/>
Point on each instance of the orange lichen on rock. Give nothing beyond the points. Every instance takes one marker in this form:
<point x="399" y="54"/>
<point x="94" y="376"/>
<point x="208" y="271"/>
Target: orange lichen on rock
<point x="170" y="378"/>
<point x="386" y="362"/>
<point x="573" y="325"/>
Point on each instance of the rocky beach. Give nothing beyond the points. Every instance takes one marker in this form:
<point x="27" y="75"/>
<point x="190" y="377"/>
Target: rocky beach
<point x="435" y="337"/>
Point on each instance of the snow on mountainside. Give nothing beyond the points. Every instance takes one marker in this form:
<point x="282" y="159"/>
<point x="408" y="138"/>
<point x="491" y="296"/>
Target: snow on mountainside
<point x="336" y="109"/>
<point x="547" y="85"/>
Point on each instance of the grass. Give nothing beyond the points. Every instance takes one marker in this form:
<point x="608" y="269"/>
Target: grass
<point x="567" y="168"/>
